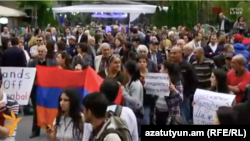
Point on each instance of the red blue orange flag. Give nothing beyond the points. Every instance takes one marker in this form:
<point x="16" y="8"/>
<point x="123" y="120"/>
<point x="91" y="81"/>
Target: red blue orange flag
<point x="52" y="80"/>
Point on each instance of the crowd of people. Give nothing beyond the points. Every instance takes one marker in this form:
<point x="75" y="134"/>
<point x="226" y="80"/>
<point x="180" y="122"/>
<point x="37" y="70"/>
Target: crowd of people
<point x="192" y="59"/>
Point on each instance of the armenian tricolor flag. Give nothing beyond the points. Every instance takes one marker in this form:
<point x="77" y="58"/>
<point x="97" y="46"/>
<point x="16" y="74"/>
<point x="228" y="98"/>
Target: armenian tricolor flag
<point x="246" y="42"/>
<point x="52" y="80"/>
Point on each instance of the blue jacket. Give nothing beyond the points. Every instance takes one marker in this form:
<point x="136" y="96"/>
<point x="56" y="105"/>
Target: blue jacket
<point x="240" y="49"/>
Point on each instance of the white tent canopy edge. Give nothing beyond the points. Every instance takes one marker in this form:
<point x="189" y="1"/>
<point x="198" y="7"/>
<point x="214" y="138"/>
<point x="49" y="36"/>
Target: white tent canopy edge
<point x="133" y="10"/>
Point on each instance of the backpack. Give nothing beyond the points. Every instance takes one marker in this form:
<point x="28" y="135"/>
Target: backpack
<point x="121" y="126"/>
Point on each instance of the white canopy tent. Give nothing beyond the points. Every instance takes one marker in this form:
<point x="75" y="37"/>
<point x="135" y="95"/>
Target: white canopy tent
<point x="9" y="12"/>
<point x="133" y="10"/>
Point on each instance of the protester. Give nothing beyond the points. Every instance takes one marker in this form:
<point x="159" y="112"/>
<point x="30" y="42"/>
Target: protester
<point x="41" y="60"/>
<point x="125" y="59"/>
<point x="219" y="81"/>
<point x="169" y="106"/>
<point x="14" y="56"/>
<point x="226" y="116"/>
<point x="95" y="108"/>
<point x="113" y="69"/>
<point x="203" y="67"/>
<point x="110" y="89"/>
<point x="190" y="82"/>
<point x="7" y="105"/>
<point x="69" y="123"/>
<point x="63" y="60"/>
<point x="238" y="77"/>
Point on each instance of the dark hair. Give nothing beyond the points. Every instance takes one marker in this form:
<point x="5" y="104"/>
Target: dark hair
<point x="110" y="89"/>
<point x="133" y="70"/>
<point x="97" y="37"/>
<point x="48" y="30"/>
<point x="97" y="103"/>
<point x="221" y="78"/>
<point x="36" y="31"/>
<point x="132" y="55"/>
<point x="14" y="41"/>
<point x="173" y="71"/>
<point x="67" y="58"/>
<point x="1" y="78"/>
<point x="196" y="33"/>
<point x="141" y="56"/>
<point x="50" y="45"/>
<point x="79" y="60"/>
<point x="227" y="115"/>
<point x="84" y="47"/>
<point x="84" y="38"/>
<point x="61" y="46"/>
<point x="110" y="59"/>
<point x="75" y="111"/>
<point x="238" y="20"/>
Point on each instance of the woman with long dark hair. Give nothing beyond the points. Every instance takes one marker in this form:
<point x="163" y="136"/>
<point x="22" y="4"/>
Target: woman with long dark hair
<point x="63" y="60"/>
<point x="169" y="106"/>
<point x="134" y="86"/>
<point x="69" y="122"/>
<point x="219" y="81"/>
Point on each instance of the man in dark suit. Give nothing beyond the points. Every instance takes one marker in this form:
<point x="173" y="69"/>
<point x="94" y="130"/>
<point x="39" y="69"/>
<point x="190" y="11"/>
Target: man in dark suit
<point x="212" y="49"/>
<point x="225" y="24"/>
<point x="188" y="54"/>
<point x="14" y="56"/>
<point x="82" y="37"/>
<point x="41" y="60"/>
<point x="155" y="55"/>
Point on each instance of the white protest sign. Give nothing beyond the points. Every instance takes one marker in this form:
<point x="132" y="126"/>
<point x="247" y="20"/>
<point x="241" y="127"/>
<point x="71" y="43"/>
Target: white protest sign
<point x="206" y="103"/>
<point x="157" y="84"/>
<point x="18" y="82"/>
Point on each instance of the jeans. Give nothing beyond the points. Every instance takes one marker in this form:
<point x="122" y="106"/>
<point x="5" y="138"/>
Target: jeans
<point x="146" y="118"/>
<point x="185" y="110"/>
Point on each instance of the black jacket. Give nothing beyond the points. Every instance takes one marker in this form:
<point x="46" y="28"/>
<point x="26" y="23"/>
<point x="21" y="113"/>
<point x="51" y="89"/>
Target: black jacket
<point x="190" y="78"/>
<point x="13" y="57"/>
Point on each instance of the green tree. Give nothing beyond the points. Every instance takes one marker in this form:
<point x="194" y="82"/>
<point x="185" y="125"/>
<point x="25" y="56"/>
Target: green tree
<point x="245" y="6"/>
<point x="41" y="7"/>
<point x="226" y="5"/>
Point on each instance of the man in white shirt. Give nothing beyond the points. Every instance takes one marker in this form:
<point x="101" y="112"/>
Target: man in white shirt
<point x="110" y="89"/>
<point x="225" y="24"/>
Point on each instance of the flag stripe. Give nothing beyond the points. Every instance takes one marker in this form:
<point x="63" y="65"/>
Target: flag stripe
<point x="56" y="77"/>
<point x="45" y="115"/>
<point x="49" y="97"/>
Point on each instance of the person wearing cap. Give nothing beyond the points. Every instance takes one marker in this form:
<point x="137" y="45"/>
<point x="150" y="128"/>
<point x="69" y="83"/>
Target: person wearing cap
<point x="154" y="54"/>
<point x="72" y="50"/>
<point x="240" y="48"/>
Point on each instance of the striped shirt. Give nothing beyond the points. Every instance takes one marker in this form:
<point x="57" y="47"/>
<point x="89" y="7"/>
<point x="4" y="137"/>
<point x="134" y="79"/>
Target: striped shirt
<point x="11" y="105"/>
<point x="204" y="70"/>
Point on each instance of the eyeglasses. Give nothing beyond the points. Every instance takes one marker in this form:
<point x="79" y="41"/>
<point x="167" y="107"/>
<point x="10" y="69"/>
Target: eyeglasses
<point x="39" y="40"/>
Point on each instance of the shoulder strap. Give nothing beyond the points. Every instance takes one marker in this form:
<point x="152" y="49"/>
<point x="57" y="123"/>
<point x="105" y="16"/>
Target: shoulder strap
<point x="118" y="110"/>
<point x="108" y="131"/>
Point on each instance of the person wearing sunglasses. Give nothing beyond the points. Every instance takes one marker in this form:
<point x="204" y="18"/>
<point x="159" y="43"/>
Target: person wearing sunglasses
<point x="33" y="49"/>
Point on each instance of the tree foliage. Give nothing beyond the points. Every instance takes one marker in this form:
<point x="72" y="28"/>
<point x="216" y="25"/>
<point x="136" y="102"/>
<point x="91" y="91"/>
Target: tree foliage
<point x="245" y="5"/>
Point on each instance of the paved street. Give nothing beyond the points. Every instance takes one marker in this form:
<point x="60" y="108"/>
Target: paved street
<point x="24" y="130"/>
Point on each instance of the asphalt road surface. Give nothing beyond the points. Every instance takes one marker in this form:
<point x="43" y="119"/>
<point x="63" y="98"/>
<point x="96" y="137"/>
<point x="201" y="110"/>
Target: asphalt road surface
<point x="24" y="130"/>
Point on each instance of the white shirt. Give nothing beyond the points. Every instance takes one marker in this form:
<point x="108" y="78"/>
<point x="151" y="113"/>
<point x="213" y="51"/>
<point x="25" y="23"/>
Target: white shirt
<point x="33" y="50"/>
<point x="189" y="57"/>
<point x="26" y="55"/>
<point x="79" y="38"/>
<point x="127" y="114"/>
<point x="213" y="47"/>
<point x="222" y="27"/>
